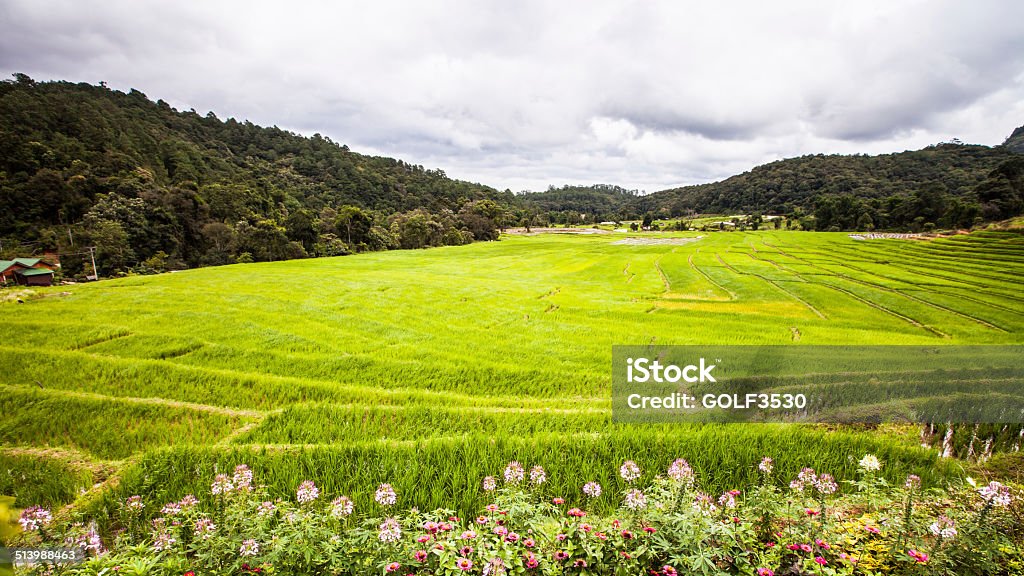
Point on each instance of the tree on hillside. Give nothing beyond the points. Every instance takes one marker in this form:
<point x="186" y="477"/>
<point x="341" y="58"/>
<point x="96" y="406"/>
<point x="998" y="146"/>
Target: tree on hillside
<point x="353" y="224"/>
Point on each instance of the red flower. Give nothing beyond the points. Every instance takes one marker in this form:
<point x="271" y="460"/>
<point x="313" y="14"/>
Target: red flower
<point x="650" y="529"/>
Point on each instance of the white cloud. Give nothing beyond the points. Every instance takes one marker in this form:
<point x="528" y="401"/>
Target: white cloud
<point x="522" y="95"/>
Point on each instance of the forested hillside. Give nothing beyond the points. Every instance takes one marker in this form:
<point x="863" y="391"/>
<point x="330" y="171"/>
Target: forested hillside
<point x="153" y="187"/>
<point x="581" y="204"/>
<point x="947" y="185"/>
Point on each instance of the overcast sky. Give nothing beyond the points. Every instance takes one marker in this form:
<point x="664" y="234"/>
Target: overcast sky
<point x="521" y="95"/>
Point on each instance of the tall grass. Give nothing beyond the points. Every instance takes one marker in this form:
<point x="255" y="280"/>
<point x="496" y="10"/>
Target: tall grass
<point x="445" y="472"/>
<point x="34" y="480"/>
<point x="105" y="428"/>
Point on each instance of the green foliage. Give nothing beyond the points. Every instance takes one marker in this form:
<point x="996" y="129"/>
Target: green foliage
<point x="947" y="185"/>
<point x="106" y="428"/>
<point x="136" y="177"/>
<point x="565" y="205"/>
<point x="39" y="480"/>
<point x="664" y="526"/>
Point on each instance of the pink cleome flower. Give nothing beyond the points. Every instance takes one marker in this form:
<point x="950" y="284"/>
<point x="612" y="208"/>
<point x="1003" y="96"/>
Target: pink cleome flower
<point x="537" y="475"/>
<point x="514" y="472"/>
<point x="342" y="506"/>
<point x="34" y="518"/>
<point x="221" y="484"/>
<point x="307" y="492"/>
<point x="680" y="471"/>
<point x="629" y="471"/>
<point x="385" y="495"/>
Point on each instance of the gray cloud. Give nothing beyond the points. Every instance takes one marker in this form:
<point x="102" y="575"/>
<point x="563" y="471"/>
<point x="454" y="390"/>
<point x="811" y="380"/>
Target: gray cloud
<point x="525" y="94"/>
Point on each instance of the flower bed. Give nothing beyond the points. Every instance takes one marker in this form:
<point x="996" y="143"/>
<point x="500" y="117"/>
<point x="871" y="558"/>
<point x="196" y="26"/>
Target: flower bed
<point x="668" y="527"/>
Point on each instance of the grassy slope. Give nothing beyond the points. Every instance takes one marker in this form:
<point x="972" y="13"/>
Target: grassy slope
<point x="414" y="366"/>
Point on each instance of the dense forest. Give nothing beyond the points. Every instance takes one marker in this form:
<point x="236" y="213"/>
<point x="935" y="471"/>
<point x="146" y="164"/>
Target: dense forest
<point x="949" y="185"/>
<point x="581" y="204"/>
<point x="153" y="188"/>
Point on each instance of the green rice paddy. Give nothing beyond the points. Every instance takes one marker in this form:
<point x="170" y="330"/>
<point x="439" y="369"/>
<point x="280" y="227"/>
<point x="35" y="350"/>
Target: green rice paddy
<point x="431" y="369"/>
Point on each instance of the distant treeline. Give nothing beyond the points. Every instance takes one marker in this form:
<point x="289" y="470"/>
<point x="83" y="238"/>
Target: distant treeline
<point x="948" y="185"/>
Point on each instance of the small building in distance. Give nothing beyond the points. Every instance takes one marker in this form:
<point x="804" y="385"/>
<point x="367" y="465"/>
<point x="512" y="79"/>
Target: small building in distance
<point x="27" y="272"/>
<point x="34" y="277"/>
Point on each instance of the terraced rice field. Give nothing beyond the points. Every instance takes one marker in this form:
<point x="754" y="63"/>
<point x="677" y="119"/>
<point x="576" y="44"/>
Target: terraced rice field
<point x="431" y="369"/>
